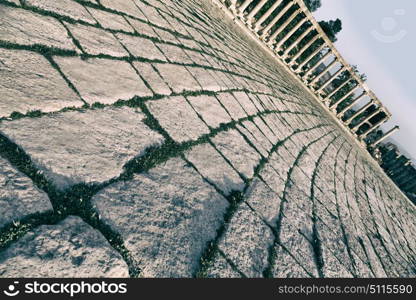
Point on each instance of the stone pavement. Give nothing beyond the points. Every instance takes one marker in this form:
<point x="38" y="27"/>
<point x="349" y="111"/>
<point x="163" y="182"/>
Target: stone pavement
<point x="151" y="138"/>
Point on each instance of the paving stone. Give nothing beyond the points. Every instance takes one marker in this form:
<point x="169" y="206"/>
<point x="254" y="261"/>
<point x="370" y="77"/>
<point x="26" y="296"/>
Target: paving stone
<point x="220" y="268"/>
<point x="96" y="41"/>
<point x="214" y="168"/>
<point x="178" y="78"/>
<point x="19" y="197"/>
<point x="175" y="54"/>
<point x="165" y="216"/>
<point x="246" y="242"/>
<point x="67" y="8"/>
<point x="140" y="47"/>
<point x="66" y="249"/>
<point x="23" y="27"/>
<point x="264" y="201"/>
<point x="124" y="6"/>
<point x="110" y="21"/>
<point x="150" y="75"/>
<point x="90" y="146"/>
<point x="103" y="80"/>
<point x="286" y="266"/>
<point x="29" y="82"/>
<point x="242" y="156"/>
<point x="142" y="27"/>
<point x="232" y="106"/>
<point x="210" y="110"/>
<point x="178" y="118"/>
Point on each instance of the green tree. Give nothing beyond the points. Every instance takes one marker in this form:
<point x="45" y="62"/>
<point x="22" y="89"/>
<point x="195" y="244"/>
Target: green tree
<point x="313" y="5"/>
<point x="331" y="28"/>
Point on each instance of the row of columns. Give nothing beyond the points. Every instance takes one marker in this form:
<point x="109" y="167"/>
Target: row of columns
<point x="264" y="24"/>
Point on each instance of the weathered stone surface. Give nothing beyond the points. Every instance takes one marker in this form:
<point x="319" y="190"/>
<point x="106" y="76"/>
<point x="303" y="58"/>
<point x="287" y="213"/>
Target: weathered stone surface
<point x="23" y="27"/>
<point x="96" y="41"/>
<point x="150" y="75"/>
<point x="242" y="156"/>
<point x="19" y="197"/>
<point x="165" y="216"/>
<point x="70" y="248"/>
<point x="90" y="146"/>
<point x="67" y="8"/>
<point x="29" y="82"/>
<point x="220" y="268"/>
<point x="176" y="116"/>
<point x="214" y="168"/>
<point x="178" y="78"/>
<point x="232" y="106"/>
<point x="210" y="110"/>
<point x="103" y="80"/>
<point x="124" y="6"/>
<point x="140" y="47"/>
<point x="264" y="201"/>
<point x="110" y="21"/>
<point x="246" y="242"/>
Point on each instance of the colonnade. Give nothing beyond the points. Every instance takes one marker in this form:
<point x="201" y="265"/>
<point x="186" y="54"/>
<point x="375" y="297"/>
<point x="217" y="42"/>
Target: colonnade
<point x="288" y="28"/>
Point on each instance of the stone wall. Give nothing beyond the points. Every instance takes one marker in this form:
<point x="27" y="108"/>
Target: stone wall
<point x="153" y="138"/>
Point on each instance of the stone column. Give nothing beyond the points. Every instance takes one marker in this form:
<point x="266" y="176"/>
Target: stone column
<point x="267" y="14"/>
<point x="275" y="19"/>
<point x="366" y="119"/>
<point x="255" y="10"/>
<point x="319" y="76"/>
<point x="354" y="102"/>
<point x="233" y="6"/>
<point x="325" y="84"/>
<point x="244" y="6"/>
<point x="316" y="65"/>
<point x="385" y="136"/>
<point x="283" y="26"/>
<point x="359" y="112"/>
<point x="306" y="47"/>
<point x="350" y="92"/>
<point x="298" y="39"/>
<point x="333" y="92"/>
<point x="374" y="127"/>
<point x="292" y="31"/>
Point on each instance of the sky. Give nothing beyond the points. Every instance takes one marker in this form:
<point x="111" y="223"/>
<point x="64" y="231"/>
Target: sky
<point x="379" y="36"/>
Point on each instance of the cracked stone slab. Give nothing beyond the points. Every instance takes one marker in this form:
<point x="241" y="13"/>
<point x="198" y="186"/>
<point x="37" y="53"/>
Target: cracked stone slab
<point x="232" y="106"/>
<point x="165" y="216"/>
<point x="110" y="20"/>
<point x="140" y="47"/>
<point x="96" y="41"/>
<point x="210" y="110"/>
<point x="67" y="249"/>
<point x="178" y="118"/>
<point x="24" y="27"/>
<point x="28" y="82"/>
<point x="67" y="8"/>
<point x="241" y="155"/>
<point x="246" y="242"/>
<point x="103" y="80"/>
<point x="19" y="197"/>
<point x="150" y="75"/>
<point x="124" y="6"/>
<point x="214" y="168"/>
<point x="220" y="268"/>
<point x="90" y="146"/>
<point x="264" y="201"/>
<point x="178" y="78"/>
<point x="142" y="27"/>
